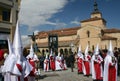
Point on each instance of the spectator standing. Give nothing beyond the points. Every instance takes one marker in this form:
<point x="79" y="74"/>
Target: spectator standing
<point x="72" y="60"/>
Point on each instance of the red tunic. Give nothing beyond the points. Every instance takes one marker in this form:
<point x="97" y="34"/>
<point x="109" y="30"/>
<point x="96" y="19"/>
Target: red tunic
<point x="32" y="73"/>
<point x="52" y="63"/>
<point x="20" y="69"/>
<point x="1" y="55"/>
<point x="25" y="79"/>
<point x="97" y="67"/>
<point x="111" y="73"/>
<point x="79" y="64"/>
<point x="87" y="65"/>
<point x="46" y="62"/>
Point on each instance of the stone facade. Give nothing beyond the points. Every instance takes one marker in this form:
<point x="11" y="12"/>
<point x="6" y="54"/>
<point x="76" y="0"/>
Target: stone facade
<point x="92" y="31"/>
<point x="8" y="17"/>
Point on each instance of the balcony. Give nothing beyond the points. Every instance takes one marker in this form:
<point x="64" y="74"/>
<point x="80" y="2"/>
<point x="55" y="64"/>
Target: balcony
<point x="5" y="26"/>
<point x="6" y="3"/>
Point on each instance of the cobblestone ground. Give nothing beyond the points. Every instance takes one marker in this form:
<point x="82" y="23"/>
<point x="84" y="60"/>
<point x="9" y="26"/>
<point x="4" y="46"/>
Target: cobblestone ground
<point x="66" y="75"/>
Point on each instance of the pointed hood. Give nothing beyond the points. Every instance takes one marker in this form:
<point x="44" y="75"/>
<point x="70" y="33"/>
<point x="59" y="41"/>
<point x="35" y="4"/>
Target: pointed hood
<point x="17" y="42"/>
<point x="97" y="50"/>
<point x="46" y="56"/>
<point x="9" y="61"/>
<point x="51" y="53"/>
<point x="10" y="47"/>
<point x="110" y="50"/>
<point x="31" y="52"/>
<point x="79" y="50"/>
<point x="58" y="54"/>
<point x="86" y="50"/>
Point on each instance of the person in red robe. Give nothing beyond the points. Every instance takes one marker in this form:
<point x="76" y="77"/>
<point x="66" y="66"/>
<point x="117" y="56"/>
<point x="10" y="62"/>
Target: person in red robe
<point x="52" y="61"/>
<point x="86" y="63"/>
<point x="80" y="61"/>
<point x="97" y="69"/>
<point x="110" y="66"/>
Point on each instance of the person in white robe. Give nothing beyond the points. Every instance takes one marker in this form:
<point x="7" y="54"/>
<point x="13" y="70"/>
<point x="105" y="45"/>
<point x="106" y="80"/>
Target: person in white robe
<point x="9" y="64"/>
<point x="80" y="61"/>
<point x="87" y="63"/>
<point x="110" y="66"/>
<point x="58" y="62"/>
<point x="64" y="65"/>
<point x="52" y="60"/>
<point x="16" y="63"/>
<point x="32" y="58"/>
<point x="96" y="65"/>
<point x="46" y="64"/>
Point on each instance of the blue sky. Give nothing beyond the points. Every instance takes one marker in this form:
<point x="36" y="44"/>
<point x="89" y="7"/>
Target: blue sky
<point x="44" y="15"/>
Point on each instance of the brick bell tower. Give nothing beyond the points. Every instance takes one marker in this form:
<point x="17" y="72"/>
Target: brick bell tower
<point x="95" y="19"/>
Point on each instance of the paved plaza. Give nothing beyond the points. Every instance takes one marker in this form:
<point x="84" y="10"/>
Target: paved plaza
<point x="66" y="75"/>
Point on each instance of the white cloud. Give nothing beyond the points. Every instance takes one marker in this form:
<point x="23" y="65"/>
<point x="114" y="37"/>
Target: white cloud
<point x="25" y="40"/>
<point x="72" y="0"/>
<point x="36" y="32"/>
<point x="76" y="21"/>
<point x="37" y="12"/>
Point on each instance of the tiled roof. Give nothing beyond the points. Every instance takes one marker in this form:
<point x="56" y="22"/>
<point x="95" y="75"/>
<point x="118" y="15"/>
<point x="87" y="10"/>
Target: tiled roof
<point x="113" y="30"/>
<point x="105" y="37"/>
<point x="42" y="35"/>
<point x="60" y="32"/>
<point x="93" y="19"/>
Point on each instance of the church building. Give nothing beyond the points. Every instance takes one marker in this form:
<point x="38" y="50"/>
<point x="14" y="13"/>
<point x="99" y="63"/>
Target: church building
<point x="92" y="31"/>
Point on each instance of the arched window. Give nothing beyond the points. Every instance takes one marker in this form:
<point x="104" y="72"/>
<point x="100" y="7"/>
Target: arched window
<point x="93" y="47"/>
<point x="102" y="32"/>
<point x="66" y="51"/>
<point x="88" y="33"/>
<point x="61" y="51"/>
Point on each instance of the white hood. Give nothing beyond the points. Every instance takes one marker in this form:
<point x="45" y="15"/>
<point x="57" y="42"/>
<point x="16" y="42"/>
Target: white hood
<point x="96" y="52"/>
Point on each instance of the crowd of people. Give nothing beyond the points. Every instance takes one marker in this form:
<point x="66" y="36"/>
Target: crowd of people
<point x="13" y="65"/>
<point x="103" y="65"/>
<point x="56" y="61"/>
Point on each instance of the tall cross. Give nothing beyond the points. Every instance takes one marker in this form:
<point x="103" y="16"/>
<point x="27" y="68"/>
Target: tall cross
<point x="32" y="37"/>
<point x="34" y="43"/>
<point x="95" y="6"/>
